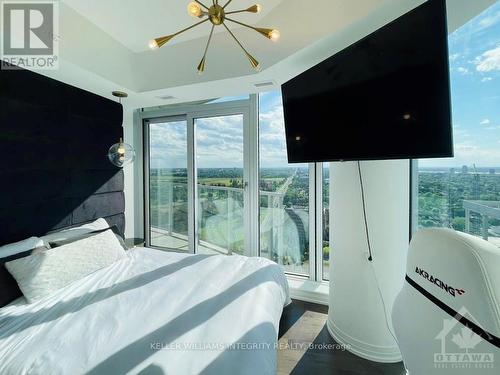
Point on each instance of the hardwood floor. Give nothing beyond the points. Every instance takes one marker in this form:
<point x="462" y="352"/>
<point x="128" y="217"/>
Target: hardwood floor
<point x="303" y="323"/>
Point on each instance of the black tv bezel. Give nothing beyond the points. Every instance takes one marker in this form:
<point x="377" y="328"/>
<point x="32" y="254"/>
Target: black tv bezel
<point x="447" y="84"/>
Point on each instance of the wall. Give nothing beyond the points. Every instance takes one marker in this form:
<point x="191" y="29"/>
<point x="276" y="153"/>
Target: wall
<point x="134" y="192"/>
<point x="356" y="314"/>
<point x="54" y="140"/>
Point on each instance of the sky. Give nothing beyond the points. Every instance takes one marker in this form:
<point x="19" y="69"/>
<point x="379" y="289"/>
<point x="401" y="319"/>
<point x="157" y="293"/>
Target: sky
<point x="475" y="91"/>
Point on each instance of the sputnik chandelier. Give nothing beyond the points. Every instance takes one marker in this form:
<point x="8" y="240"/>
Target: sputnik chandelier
<point x="218" y="16"/>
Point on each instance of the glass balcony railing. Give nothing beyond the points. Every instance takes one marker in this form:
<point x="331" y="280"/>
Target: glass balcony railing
<point x="463" y="200"/>
<point x="284" y="231"/>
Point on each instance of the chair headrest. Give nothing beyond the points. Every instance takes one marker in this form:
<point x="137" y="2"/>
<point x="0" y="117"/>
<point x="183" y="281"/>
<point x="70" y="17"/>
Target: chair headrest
<point x="460" y="270"/>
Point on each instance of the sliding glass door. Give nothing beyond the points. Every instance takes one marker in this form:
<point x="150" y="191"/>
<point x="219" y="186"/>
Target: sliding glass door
<point x="220" y="183"/>
<point x="168" y="184"/>
<point x="198" y="180"/>
<point x="220" y="213"/>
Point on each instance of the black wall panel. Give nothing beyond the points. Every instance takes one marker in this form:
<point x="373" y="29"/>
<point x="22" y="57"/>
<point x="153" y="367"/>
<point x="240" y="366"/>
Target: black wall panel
<point x="54" y="170"/>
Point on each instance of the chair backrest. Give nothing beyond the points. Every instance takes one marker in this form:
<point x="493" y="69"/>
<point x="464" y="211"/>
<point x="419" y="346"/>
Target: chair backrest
<point x="452" y="279"/>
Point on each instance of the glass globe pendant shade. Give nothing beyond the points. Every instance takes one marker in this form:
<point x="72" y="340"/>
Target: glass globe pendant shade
<point x="121" y="154"/>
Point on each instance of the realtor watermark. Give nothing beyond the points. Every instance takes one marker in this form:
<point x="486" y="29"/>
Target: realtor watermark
<point x="461" y="348"/>
<point x="243" y="346"/>
<point x="30" y="35"/>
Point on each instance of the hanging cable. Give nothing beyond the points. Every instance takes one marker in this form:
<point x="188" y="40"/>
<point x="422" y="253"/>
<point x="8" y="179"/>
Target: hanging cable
<point x="370" y="258"/>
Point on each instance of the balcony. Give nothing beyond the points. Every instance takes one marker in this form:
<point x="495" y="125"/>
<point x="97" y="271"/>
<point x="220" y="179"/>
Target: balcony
<point x="486" y="210"/>
<point x="283" y="230"/>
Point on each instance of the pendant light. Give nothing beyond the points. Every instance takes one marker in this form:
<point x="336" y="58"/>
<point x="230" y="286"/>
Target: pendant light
<point x="121" y="153"/>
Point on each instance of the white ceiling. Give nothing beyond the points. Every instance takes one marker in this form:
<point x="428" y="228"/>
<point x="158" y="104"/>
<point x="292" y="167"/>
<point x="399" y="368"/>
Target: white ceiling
<point x="133" y="22"/>
<point x="102" y="44"/>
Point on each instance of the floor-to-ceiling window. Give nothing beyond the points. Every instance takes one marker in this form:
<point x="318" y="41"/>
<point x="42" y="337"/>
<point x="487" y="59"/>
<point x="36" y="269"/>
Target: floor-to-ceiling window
<point x="325" y="215"/>
<point x="220" y="186"/>
<point x="293" y="200"/>
<point x="168" y="185"/>
<point x="220" y="183"/>
<point x="197" y="184"/>
<point x="284" y="193"/>
<point x="464" y="192"/>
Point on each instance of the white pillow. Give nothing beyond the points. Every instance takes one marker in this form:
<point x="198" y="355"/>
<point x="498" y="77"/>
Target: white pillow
<point x="41" y="274"/>
<point x="19" y="247"/>
<point x="76" y="231"/>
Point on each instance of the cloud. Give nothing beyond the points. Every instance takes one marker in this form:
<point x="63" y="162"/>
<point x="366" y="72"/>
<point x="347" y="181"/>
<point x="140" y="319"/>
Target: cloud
<point x="461" y="133"/>
<point x="469" y="152"/>
<point x="454" y="57"/>
<point x="462" y="70"/>
<point x="486" y="121"/>
<point x="490" y="20"/>
<point x="486" y="79"/>
<point x="488" y="61"/>
<point x="219" y="142"/>
<point x="168" y="145"/>
<point x="272" y="138"/>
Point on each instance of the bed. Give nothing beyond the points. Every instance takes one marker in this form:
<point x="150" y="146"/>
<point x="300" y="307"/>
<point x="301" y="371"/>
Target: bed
<point x="152" y="312"/>
<point x="149" y="312"/>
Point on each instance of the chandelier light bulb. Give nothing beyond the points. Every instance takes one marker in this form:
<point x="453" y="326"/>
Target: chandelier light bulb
<point x="258" y="8"/>
<point x="194" y="9"/>
<point x="153" y="44"/>
<point x="274" y="35"/>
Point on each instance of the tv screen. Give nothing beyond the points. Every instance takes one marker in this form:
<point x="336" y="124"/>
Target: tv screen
<point x="385" y="97"/>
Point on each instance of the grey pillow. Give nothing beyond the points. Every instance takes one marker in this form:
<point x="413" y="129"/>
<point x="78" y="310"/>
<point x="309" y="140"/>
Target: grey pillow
<point x="43" y="273"/>
<point x="10" y="290"/>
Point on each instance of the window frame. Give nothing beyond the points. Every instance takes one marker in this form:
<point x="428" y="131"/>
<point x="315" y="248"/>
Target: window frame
<point x="250" y="109"/>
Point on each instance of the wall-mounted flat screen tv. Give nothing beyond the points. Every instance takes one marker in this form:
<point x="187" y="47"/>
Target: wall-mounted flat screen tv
<point x="385" y="97"/>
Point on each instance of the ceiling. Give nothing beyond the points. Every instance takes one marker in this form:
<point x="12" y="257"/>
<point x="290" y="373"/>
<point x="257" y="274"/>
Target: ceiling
<point x="102" y="44"/>
<point x="133" y="23"/>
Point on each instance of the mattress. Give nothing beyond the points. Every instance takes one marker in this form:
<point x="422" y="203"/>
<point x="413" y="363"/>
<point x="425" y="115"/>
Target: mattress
<point x="152" y="312"/>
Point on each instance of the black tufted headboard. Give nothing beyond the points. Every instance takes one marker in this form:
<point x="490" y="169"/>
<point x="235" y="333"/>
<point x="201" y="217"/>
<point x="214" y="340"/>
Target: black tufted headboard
<point x="54" y="170"/>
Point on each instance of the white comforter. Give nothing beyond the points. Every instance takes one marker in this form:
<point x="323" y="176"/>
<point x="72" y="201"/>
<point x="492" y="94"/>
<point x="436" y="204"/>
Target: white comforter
<point x="153" y="313"/>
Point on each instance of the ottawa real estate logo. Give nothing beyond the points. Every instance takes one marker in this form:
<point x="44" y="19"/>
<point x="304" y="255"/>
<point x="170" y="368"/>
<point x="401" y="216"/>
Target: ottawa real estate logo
<point x="461" y="348"/>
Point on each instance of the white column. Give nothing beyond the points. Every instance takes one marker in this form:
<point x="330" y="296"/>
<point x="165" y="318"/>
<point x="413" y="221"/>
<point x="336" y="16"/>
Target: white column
<point x="133" y="175"/>
<point x="356" y="312"/>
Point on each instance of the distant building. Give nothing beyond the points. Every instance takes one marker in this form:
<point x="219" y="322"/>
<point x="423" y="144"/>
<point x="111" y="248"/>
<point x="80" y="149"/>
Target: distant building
<point x="465" y="169"/>
<point x="452" y="170"/>
<point x="492" y="171"/>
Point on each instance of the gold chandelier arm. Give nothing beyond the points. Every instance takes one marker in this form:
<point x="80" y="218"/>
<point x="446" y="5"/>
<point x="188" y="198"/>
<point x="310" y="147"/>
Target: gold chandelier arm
<point x="201" y="66"/>
<point x="253" y="61"/>
<point x="209" y="40"/>
<point x="228" y="2"/>
<point x="190" y="27"/>
<point x="203" y="5"/>
<point x="241" y="23"/>
<point x="252" y="9"/>
<point x="268" y="33"/>
<point x="237" y="11"/>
